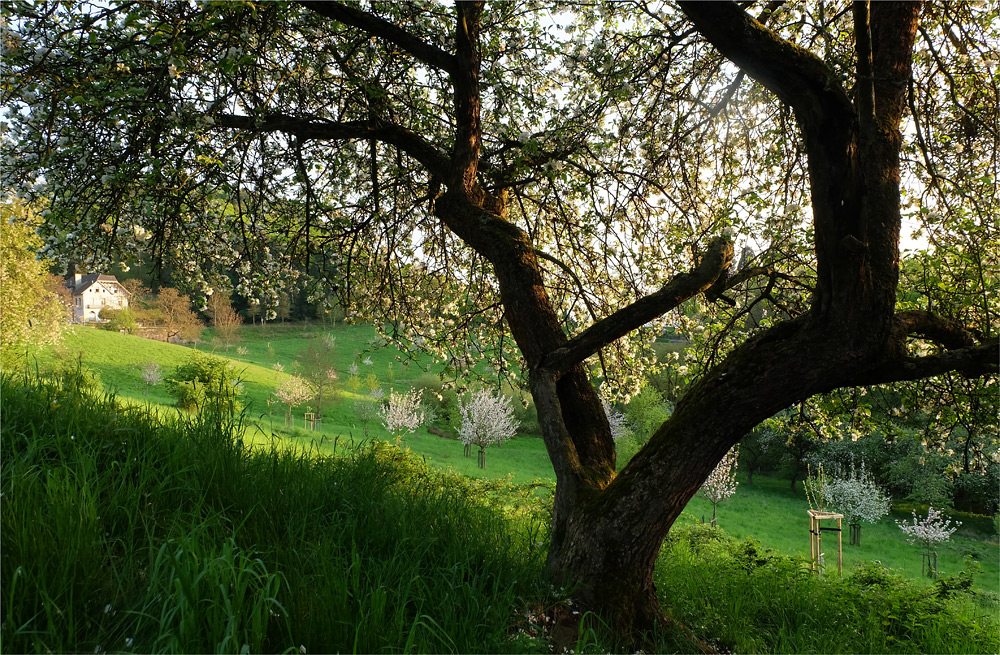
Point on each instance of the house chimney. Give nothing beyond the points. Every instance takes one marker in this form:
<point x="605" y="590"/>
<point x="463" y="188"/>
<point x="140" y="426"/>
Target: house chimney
<point x="76" y="280"/>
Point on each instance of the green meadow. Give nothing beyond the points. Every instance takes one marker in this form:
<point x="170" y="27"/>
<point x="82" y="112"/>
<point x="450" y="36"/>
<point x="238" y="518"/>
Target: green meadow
<point x="130" y="526"/>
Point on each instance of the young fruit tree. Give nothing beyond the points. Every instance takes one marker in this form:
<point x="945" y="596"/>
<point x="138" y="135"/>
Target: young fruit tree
<point x="402" y="414"/>
<point x="151" y="375"/>
<point x="721" y="482"/>
<point x="487" y="419"/>
<point x="933" y="529"/>
<point x="292" y="392"/>
<point x="858" y="498"/>
<point x="495" y="191"/>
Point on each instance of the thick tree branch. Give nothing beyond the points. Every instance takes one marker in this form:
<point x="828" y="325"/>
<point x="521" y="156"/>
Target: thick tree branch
<point x="465" y="79"/>
<point x="762" y="271"/>
<point x="798" y="77"/>
<point x="436" y="161"/>
<point x="680" y="288"/>
<point x="963" y="353"/>
<point x="927" y="325"/>
<point x="383" y="29"/>
<point x="976" y="361"/>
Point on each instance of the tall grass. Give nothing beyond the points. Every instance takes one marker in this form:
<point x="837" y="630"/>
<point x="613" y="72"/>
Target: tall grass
<point x="126" y="531"/>
<point x="122" y="531"/>
<point x="747" y="598"/>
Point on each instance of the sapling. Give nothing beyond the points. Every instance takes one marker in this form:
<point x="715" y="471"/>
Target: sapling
<point x="487" y="419"/>
<point x="929" y="531"/>
<point x="817" y="486"/>
<point x="721" y="482"/>
<point x="151" y="375"/>
<point x="293" y="391"/>
<point x="858" y="498"/>
<point x="403" y="414"/>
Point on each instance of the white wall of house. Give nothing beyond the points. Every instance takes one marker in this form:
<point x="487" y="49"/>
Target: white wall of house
<point x="88" y="302"/>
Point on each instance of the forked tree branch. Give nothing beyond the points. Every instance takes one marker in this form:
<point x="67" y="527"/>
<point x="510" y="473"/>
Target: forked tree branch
<point x="798" y="77"/>
<point x="680" y="288"/>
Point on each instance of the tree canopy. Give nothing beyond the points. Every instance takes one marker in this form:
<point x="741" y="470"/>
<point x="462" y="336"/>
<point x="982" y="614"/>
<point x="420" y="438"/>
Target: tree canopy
<point x="32" y="313"/>
<point x="549" y="185"/>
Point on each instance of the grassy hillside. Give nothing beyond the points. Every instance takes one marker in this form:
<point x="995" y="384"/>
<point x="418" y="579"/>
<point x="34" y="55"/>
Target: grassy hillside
<point x="117" y="358"/>
<point x="768" y="510"/>
<point x="125" y="531"/>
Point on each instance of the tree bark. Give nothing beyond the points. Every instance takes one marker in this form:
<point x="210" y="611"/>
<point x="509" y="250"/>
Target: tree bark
<point x="608" y="529"/>
<point x="612" y="538"/>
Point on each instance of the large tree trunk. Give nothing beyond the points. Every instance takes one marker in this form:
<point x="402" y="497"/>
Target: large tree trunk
<point x="610" y="539"/>
<point x="607" y="529"/>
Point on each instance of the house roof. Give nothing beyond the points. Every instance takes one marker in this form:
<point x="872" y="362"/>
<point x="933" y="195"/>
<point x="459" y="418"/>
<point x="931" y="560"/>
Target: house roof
<point x="89" y="279"/>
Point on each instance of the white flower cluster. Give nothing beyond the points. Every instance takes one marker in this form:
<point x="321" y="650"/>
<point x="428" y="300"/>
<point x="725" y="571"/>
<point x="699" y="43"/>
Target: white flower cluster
<point x="151" y="374"/>
<point x="294" y="391"/>
<point x="403" y="413"/>
<point x="616" y="419"/>
<point x="487" y="419"/>
<point x="929" y="531"/>
<point x="857" y="496"/>
<point x="721" y="482"/>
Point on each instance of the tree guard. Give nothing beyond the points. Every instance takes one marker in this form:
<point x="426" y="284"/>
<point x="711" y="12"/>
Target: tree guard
<point x="816" y="530"/>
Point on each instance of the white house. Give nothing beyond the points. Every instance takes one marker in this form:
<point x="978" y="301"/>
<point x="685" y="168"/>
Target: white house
<point x="94" y="292"/>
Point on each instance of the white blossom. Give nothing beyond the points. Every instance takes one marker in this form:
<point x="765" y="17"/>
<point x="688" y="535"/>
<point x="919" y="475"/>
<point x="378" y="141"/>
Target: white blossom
<point x="487" y="419"/>
<point x="858" y="497"/>
<point x="721" y="482"/>
<point x="151" y="374"/>
<point x="403" y="413"/>
<point x="929" y="531"/>
<point x="616" y="419"/>
<point x="294" y="391"/>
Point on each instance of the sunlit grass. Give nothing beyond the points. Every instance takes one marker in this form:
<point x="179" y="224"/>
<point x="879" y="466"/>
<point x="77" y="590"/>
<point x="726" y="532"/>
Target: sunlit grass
<point x="122" y="531"/>
<point x="128" y="531"/>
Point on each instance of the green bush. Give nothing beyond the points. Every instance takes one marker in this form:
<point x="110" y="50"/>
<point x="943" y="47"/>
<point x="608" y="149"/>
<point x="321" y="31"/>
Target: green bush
<point x="119" y="320"/>
<point x="646" y="412"/>
<point x="205" y="382"/>
<point x="746" y="598"/>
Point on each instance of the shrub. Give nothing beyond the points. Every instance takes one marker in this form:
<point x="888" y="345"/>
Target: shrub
<point x="205" y="382"/>
<point x="646" y="412"/>
<point x="119" y="320"/>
